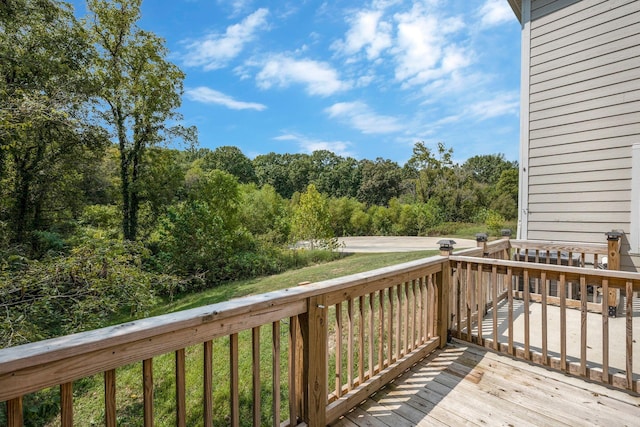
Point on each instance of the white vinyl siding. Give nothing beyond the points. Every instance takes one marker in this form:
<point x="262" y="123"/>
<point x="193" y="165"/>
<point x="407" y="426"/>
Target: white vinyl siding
<point x="584" y="118"/>
<point x="634" y="238"/>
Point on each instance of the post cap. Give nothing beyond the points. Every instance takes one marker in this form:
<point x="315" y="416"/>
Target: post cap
<point x="505" y="232"/>
<point x="481" y="237"/>
<point x="446" y="244"/>
<point x="614" y="235"/>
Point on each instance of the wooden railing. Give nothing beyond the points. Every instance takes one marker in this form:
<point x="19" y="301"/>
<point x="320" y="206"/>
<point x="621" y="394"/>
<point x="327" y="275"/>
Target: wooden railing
<point x="308" y="354"/>
<point x="360" y="331"/>
<point x="551" y="313"/>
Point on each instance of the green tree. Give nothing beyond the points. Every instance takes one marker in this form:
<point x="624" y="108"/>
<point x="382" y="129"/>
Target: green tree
<point x="311" y="221"/>
<point x="334" y="175"/>
<point x="486" y="169"/>
<point x="203" y="234"/>
<point x="381" y="181"/>
<point x="230" y="159"/>
<point x="46" y="138"/>
<point x="264" y="213"/>
<point x="341" y="212"/>
<point x="161" y="181"/>
<point x="505" y="200"/>
<point x="273" y="169"/>
<point x="141" y="91"/>
<point x="429" y="171"/>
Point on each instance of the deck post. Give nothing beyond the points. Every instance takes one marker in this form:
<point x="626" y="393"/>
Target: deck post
<point x="481" y="240"/>
<point x="443" y="286"/>
<point x="613" y="263"/>
<point x="315" y="336"/>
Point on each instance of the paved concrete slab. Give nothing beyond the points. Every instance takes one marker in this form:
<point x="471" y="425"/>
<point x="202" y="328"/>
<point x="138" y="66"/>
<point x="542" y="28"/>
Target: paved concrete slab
<point x="378" y="244"/>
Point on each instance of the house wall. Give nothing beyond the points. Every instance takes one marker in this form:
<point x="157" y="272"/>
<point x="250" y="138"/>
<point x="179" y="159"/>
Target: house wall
<point x="584" y="118"/>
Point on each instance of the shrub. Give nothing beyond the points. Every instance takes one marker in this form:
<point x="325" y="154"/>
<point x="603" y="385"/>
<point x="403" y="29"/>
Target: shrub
<point x="495" y="222"/>
<point x="66" y="294"/>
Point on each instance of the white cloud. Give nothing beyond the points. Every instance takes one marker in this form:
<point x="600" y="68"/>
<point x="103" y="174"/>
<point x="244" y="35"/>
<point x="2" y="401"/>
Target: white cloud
<point x="210" y="96"/>
<point x="425" y="48"/>
<point x="501" y="105"/>
<point x="359" y="116"/>
<point x="318" y="77"/>
<point x="310" y="145"/>
<point x="495" y="12"/>
<point x="367" y="32"/>
<point x="215" y="50"/>
<point x="238" y="6"/>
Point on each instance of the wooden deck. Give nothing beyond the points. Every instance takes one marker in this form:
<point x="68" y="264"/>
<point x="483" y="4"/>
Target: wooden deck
<point x="465" y="385"/>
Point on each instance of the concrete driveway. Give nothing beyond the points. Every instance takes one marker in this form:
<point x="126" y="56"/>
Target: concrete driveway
<point x="371" y="244"/>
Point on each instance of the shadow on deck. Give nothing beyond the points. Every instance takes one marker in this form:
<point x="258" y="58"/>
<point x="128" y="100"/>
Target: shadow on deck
<point x="468" y="385"/>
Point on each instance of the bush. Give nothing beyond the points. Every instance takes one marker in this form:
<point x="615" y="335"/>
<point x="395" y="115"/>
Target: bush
<point x="495" y="222"/>
<point x="65" y="294"/>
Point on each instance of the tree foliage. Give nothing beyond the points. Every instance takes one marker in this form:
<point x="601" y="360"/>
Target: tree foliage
<point x="141" y="91"/>
<point x="45" y="134"/>
<point x="310" y="220"/>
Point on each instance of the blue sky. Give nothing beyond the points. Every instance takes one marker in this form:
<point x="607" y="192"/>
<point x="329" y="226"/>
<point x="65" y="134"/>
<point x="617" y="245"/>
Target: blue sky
<point x="365" y="79"/>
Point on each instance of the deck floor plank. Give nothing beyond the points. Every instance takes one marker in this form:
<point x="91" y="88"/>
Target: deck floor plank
<point x="467" y="385"/>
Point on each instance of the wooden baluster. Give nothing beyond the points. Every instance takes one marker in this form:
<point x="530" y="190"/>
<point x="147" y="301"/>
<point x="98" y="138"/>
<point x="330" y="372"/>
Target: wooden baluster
<point x="510" y="308"/>
<point x="275" y="370"/>
<point x="563" y="321"/>
<point x="629" y="318"/>
<point x="414" y="315"/>
<point x="605" y="331"/>
<point x="208" y="383"/>
<point x="543" y="291"/>
<point x="390" y="328"/>
<point x="432" y="307"/>
<point x="461" y="295"/>
<point x="234" y="382"/>
<point x="147" y="381"/>
<point x="480" y="301"/>
<point x="338" y="349"/>
<point x="536" y="289"/>
<point x="255" y="353"/>
<point x="407" y="319"/>
<point x="15" y="416"/>
<point x="66" y="405"/>
<point x="293" y="371"/>
<point x="469" y="304"/>
<point x="110" y="398"/>
<point x="381" y="330"/>
<point x="361" y="329"/>
<point x="398" y="322"/>
<point x="421" y="309"/>
<point x="181" y="411"/>
<point x="583" y="326"/>
<point x="350" y="344"/>
<point x="372" y="340"/>
<point x="527" y="337"/>
<point x="494" y="287"/>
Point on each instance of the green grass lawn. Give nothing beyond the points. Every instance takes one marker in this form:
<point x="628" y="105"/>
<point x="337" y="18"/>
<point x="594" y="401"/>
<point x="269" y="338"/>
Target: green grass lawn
<point x="349" y="264"/>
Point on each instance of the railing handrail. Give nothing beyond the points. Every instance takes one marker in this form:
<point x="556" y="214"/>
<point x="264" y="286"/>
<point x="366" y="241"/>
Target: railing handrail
<point x="187" y="327"/>
<point x="593" y="248"/>
<point x="617" y="278"/>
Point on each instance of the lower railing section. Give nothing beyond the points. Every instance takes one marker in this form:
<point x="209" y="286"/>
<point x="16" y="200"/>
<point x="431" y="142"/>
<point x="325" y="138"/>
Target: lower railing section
<point x="302" y="355"/>
<point x="563" y="329"/>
